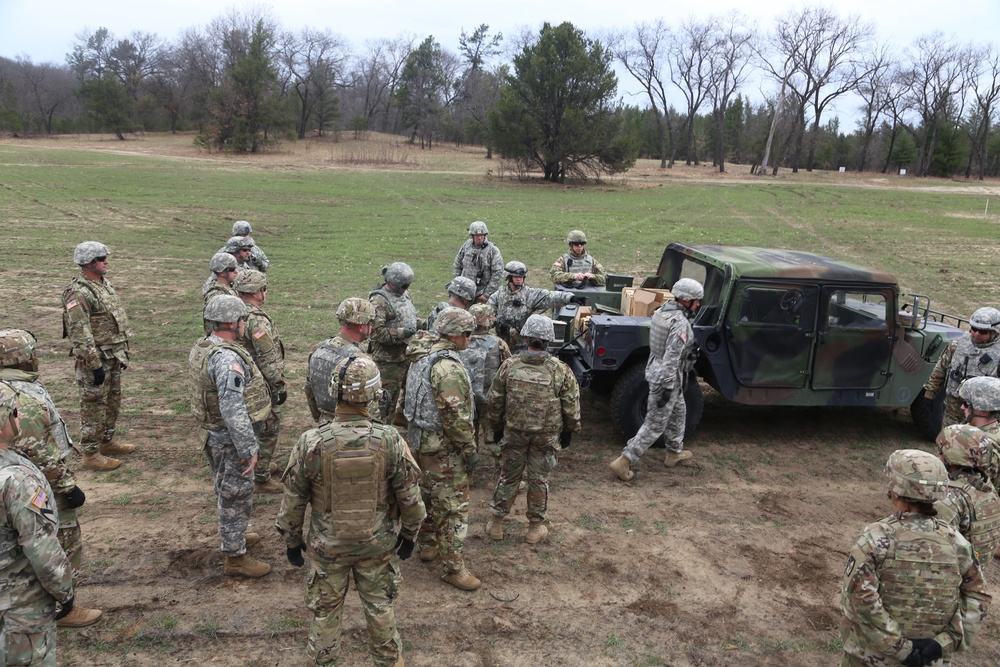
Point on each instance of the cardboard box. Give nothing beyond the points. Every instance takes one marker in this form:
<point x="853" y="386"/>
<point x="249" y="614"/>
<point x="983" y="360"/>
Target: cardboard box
<point x="583" y="315"/>
<point x="641" y="301"/>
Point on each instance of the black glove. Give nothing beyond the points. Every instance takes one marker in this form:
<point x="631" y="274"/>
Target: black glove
<point x="471" y="461"/>
<point x="503" y="329"/>
<point x="281" y="397"/>
<point x="578" y="300"/>
<point x="75" y="498"/>
<point x="517" y="303"/>
<point x="67" y="607"/>
<point x="663" y="398"/>
<point x="498" y="434"/>
<point x="408" y="333"/>
<point x="404" y="547"/>
<point x="925" y="651"/>
<point x="565" y="438"/>
<point x="294" y="556"/>
<point x="98" y="376"/>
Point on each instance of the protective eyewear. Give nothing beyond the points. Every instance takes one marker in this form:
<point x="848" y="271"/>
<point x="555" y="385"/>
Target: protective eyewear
<point x="101" y="259"/>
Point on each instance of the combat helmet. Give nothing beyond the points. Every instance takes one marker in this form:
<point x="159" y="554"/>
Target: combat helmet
<point x="242" y="228"/>
<point x="687" y="289"/>
<point x="17" y="346"/>
<point x="454" y="322"/>
<point x="484" y="315"/>
<point x="8" y="403"/>
<point x="478" y="227"/>
<point x="515" y="268"/>
<point x="249" y="282"/>
<point x="237" y="243"/>
<point x="221" y="261"/>
<point x="88" y="251"/>
<point x="964" y="445"/>
<point x="538" y="326"/>
<point x="355" y="380"/>
<point x="355" y="310"/>
<point x="576" y="236"/>
<point x="398" y="274"/>
<point x="462" y="287"/>
<point x="916" y="475"/>
<point x="981" y="393"/>
<point x="986" y="319"/>
<point x="225" y="308"/>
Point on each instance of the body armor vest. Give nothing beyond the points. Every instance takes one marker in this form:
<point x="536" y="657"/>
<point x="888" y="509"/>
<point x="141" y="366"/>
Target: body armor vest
<point x="59" y="431"/>
<point x="354" y="491"/>
<point x="401" y="315"/>
<point x="984" y="518"/>
<point x="11" y="552"/>
<point x="533" y="404"/>
<point x="482" y="361"/>
<point x="205" y="395"/>
<point x="574" y="264"/>
<point x="971" y="361"/>
<point x="476" y="263"/>
<point x="419" y="407"/>
<point x="108" y="321"/>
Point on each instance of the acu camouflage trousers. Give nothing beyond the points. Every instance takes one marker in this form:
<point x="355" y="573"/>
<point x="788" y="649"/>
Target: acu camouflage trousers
<point x="531" y="455"/>
<point x="393" y="376"/>
<point x="99" y="404"/>
<point x="28" y="628"/>
<point x="233" y="490"/>
<point x="444" y="486"/>
<point x="667" y="421"/>
<point x="268" y="442"/>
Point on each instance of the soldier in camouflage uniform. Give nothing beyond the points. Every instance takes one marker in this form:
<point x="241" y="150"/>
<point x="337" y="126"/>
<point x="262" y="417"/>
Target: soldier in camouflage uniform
<point x="482" y="358"/>
<point x="480" y="261"/>
<point x="223" y="268"/>
<point x="35" y="573"/>
<point x="95" y="322"/>
<point x="672" y="353"/>
<point x="355" y="315"/>
<point x="515" y="301"/>
<point x="44" y="441"/>
<point x="438" y="405"/>
<point x="461" y="293"/>
<point x="261" y="340"/>
<point x="230" y="401"/>
<point x="258" y="260"/>
<point x="975" y="354"/>
<point x="913" y="591"/>
<point x="394" y="324"/>
<point x="577" y="268"/>
<point x="981" y="406"/>
<point x="241" y="247"/>
<point x="357" y="475"/>
<point x="534" y="406"/>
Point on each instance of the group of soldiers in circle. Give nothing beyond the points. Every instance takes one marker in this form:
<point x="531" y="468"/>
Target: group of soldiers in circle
<point x="913" y="590"/>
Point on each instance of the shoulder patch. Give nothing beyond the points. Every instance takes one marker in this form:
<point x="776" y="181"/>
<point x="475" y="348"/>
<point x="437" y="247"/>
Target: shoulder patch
<point x="260" y="333"/>
<point x="237" y="368"/>
<point x="72" y="304"/>
<point x="683" y="336"/>
<point x="40" y="498"/>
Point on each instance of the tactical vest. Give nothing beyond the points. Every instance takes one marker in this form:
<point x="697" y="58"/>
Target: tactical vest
<point x="984" y="518"/>
<point x="205" y="395"/>
<point x="108" y="321"/>
<point x="476" y="263"/>
<point x="926" y="567"/>
<point x="354" y="491"/>
<point x="322" y="362"/>
<point x="401" y="314"/>
<point x="438" y="309"/>
<point x="58" y="427"/>
<point x="419" y="407"/>
<point x="254" y="338"/>
<point x="10" y="549"/>
<point x="970" y="361"/>
<point x="573" y="264"/>
<point x="533" y="404"/>
<point x="482" y="361"/>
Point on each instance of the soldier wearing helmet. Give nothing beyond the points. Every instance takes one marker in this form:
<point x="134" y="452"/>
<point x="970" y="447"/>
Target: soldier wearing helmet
<point x="482" y="358"/>
<point x="975" y="354"/>
<point x="461" y="294"/>
<point x="672" y="353"/>
<point x="515" y="301"/>
<point x="257" y="259"/>
<point x="972" y="505"/>
<point x="913" y="591"/>
<point x="480" y="261"/>
<point x="358" y="475"/>
<point x="577" y="268"/>
<point x="223" y="268"/>
<point x="231" y="403"/>
<point x="240" y="247"/>
<point x="534" y="409"/>
<point x="356" y="316"/>
<point x="95" y="322"/>
<point x="438" y="404"/>
<point x="261" y="339"/>
<point x="35" y="570"/>
<point x="981" y="406"/>
<point x="395" y="323"/>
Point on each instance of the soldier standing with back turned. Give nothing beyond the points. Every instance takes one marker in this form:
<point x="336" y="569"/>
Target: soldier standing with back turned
<point x="394" y="324"/>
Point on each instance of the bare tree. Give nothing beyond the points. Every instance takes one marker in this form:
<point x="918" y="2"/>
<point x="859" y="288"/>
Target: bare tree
<point x="985" y="89"/>
<point x="312" y="62"/>
<point x="730" y="58"/>
<point x="375" y="77"/>
<point x="874" y="88"/>
<point x="45" y="88"/>
<point x="479" y="85"/>
<point x="690" y="60"/>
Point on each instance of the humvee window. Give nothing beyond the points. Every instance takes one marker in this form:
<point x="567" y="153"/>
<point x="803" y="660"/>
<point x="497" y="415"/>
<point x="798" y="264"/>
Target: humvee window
<point x="857" y="310"/>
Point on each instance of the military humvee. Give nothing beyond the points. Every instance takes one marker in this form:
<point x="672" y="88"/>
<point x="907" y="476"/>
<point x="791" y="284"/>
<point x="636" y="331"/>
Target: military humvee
<point x="776" y="327"/>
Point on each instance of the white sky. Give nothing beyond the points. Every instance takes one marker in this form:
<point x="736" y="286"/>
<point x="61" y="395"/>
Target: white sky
<point x="45" y="31"/>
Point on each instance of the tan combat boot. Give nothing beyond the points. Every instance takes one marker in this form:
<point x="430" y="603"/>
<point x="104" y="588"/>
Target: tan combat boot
<point x="676" y="458"/>
<point x="99" y="461"/>
<point x="494" y="527"/>
<point x="622" y="467"/>
<point x="398" y="663"/>
<point x="272" y="467"/>
<point x="112" y="447"/>
<point x="79" y="617"/>
<point x="245" y="566"/>
<point x="251" y="539"/>
<point x="536" y="532"/>
<point x="427" y="554"/>
<point x="522" y="486"/>
<point x="270" y="486"/>
<point x="462" y="579"/>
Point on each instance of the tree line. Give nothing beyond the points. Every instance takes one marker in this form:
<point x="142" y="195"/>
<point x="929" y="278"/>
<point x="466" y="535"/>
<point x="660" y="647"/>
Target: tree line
<point x="547" y="101"/>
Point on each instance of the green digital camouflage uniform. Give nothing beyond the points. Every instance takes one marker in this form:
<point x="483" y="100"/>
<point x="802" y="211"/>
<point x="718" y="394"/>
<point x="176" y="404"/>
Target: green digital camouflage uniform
<point x="568" y="264"/>
<point x="322" y="361"/>
<point x="536" y="397"/>
<point x="95" y="322"/>
<point x="343" y="542"/>
<point x="34" y="571"/>
<point x="962" y="359"/>
<point x="268" y="352"/>
<point x="441" y="449"/>
<point x="973" y="508"/>
<point x="394" y="324"/>
<point x="513" y="307"/>
<point x="893" y="594"/>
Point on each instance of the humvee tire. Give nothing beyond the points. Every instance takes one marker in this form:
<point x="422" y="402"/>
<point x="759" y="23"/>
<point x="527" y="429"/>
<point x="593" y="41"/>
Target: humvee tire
<point x="628" y="403"/>
<point x="927" y="414"/>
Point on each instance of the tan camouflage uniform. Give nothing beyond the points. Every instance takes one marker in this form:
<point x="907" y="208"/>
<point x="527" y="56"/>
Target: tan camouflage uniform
<point x="322" y="361"/>
<point x="395" y="322"/>
<point x="268" y="352"/>
<point x="961" y="359"/>
<point x="973" y="508"/>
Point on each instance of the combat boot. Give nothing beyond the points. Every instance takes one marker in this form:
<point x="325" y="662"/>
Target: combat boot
<point x="622" y="467"/>
<point x="676" y="458"/>
<point x="112" y="447"/>
<point x="245" y="566"/>
<point x="536" y="532"/>
<point x="251" y="539"/>
<point x="398" y="663"/>
<point x="99" y="461"/>
<point x="522" y="485"/>
<point x="79" y="617"/>
<point x="272" y="467"/>
<point x="494" y="527"/>
<point x="270" y="486"/>
<point x="462" y="579"/>
<point x="427" y="554"/>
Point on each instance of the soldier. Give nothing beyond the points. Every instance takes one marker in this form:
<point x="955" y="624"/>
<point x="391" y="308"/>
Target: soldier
<point x="240" y="247"/>
<point x="258" y="260"/>
<point x="482" y="358"/>
<point x="261" y="340"/>
<point x="95" y="322"/>
<point x="974" y="354"/>
<point x="230" y="400"/>
<point x="913" y="592"/>
<point x="357" y="475"/>
<point x="438" y="405"/>
<point x="534" y="409"/>
<point x="672" y="353"/>
<point x="515" y="301"/>
<point x="972" y="505"/>
<point x="223" y="268"/>
<point x="480" y="261"/>
<point x="981" y="406"/>
<point x="461" y="293"/>
<point x="577" y="268"/>
<point x="35" y="573"/>
<point x="45" y="441"/>
<point x="356" y="316"/>
<point x="394" y="324"/>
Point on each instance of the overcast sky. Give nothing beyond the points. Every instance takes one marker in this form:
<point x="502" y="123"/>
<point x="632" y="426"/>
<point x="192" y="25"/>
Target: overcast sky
<point x="45" y="31"/>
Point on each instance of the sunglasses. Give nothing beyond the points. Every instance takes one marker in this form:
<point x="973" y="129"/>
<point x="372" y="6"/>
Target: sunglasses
<point x="467" y="334"/>
<point x="101" y="259"/>
<point x="579" y="244"/>
<point x="981" y="332"/>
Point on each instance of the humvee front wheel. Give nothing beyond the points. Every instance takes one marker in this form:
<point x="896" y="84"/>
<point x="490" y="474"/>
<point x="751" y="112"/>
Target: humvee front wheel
<point x="927" y="414"/>
<point x="631" y="392"/>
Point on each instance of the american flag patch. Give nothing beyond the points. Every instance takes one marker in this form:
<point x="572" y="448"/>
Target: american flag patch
<point x="237" y="368"/>
<point x="683" y="336"/>
<point x="72" y="304"/>
<point x="260" y="333"/>
<point x="40" y="498"/>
